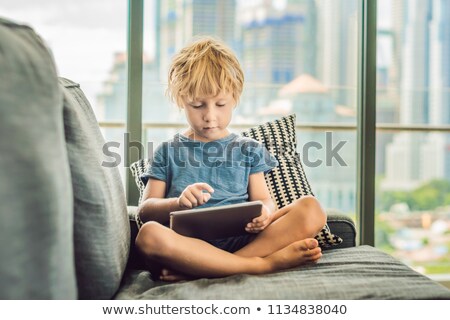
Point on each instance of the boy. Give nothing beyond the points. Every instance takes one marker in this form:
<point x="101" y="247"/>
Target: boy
<point x="207" y="165"/>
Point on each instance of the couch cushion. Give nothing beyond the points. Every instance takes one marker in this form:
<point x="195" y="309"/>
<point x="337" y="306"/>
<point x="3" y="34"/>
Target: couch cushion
<point x="352" y="273"/>
<point x="101" y="228"/>
<point x="36" y="211"/>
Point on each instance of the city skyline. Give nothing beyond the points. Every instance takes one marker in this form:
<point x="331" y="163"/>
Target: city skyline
<point x="390" y="65"/>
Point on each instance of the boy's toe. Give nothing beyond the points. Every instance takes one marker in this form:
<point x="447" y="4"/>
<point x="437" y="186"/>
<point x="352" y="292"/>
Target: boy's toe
<point x="309" y="244"/>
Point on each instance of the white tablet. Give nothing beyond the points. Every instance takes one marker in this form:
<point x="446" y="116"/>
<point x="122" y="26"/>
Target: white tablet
<point x="215" y="222"/>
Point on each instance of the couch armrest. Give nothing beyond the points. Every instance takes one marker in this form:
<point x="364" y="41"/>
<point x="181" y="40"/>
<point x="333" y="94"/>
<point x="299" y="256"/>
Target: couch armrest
<point x="344" y="227"/>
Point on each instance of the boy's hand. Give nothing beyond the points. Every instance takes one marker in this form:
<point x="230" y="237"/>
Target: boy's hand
<point x="193" y="196"/>
<point x="259" y="223"/>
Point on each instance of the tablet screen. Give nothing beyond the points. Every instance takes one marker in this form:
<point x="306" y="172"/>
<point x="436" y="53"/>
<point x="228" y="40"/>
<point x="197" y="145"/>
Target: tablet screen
<point x="215" y="222"/>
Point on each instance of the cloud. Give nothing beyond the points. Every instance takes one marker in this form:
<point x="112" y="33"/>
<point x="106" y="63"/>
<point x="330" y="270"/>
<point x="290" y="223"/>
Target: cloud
<point x="85" y="14"/>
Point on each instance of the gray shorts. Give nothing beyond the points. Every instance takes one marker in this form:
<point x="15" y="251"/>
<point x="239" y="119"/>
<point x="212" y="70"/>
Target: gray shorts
<point x="233" y="244"/>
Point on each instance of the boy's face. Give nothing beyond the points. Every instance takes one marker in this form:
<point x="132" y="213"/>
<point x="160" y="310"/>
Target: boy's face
<point x="209" y="117"/>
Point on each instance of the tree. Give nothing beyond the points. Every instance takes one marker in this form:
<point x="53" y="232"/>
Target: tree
<point x="429" y="196"/>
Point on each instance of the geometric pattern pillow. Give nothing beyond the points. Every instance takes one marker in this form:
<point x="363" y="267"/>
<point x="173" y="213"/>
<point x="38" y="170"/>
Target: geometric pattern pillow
<point x="287" y="182"/>
<point x="138" y="168"/>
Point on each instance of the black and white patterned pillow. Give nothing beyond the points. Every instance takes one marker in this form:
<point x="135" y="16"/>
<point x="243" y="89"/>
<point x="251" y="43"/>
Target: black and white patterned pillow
<point x="286" y="182"/>
<point x="138" y="168"/>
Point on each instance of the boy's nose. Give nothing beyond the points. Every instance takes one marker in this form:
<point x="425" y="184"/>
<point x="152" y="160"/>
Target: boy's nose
<point x="210" y="114"/>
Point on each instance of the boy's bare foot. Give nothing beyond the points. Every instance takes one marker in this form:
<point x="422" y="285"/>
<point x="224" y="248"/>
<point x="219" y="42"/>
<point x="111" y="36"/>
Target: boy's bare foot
<point x="173" y="276"/>
<point x="296" y="254"/>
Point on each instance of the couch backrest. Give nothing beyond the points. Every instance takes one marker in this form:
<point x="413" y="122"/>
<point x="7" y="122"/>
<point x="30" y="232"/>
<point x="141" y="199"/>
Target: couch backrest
<point x="36" y="199"/>
<point x="64" y="230"/>
<point x="101" y="227"/>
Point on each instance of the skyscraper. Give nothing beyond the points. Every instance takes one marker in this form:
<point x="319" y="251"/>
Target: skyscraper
<point x="181" y="20"/>
<point x="337" y="48"/>
<point x="278" y="45"/>
<point x="436" y="149"/>
<point x="414" y="158"/>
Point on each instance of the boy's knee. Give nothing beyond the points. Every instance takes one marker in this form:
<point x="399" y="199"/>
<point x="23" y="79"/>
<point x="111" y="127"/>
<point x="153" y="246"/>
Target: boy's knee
<point x="150" y="238"/>
<point x="316" y="216"/>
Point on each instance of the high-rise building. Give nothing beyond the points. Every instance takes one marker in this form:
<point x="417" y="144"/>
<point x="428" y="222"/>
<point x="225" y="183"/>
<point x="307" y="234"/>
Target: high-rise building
<point x="278" y="45"/>
<point x="313" y="103"/>
<point x="179" y="21"/>
<point x="388" y="75"/>
<point x="337" y="48"/>
<point x="403" y="155"/>
<point x="397" y="22"/>
<point x="414" y="158"/>
<point x="286" y="59"/>
<point x="436" y="149"/>
<point x="112" y="100"/>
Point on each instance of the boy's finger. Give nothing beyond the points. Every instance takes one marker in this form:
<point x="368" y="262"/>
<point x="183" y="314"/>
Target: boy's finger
<point x="261" y="218"/>
<point x="206" y="197"/>
<point x="204" y="186"/>
<point x="250" y="230"/>
<point x="192" y="199"/>
<point x="254" y="230"/>
<point x="259" y="224"/>
<point x="200" y="196"/>
<point x="253" y="225"/>
<point x="185" y="203"/>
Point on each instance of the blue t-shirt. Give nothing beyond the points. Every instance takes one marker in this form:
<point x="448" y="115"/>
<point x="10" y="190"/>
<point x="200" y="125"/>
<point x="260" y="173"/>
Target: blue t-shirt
<point x="224" y="164"/>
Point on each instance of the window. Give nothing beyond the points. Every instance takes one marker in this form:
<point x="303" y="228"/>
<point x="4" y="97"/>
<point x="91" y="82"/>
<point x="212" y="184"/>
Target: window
<point x="413" y="163"/>
<point x="88" y="41"/>
<point x="298" y="57"/>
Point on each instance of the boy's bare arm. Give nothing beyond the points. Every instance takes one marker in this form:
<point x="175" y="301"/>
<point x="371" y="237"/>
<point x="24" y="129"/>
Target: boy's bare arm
<point x="154" y="207"/>
<point x="257" y="190"/>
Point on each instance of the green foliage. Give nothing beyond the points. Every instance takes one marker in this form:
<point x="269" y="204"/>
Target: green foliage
<point x="437" y="268"/>
<point x="382" y="232"/>
<point x="434" y="194"/>
<point x="429" y="196"/>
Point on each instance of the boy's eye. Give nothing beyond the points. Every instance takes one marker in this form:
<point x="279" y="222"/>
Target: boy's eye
<point x="196" y="105"/>
<point x="221" y="105"/>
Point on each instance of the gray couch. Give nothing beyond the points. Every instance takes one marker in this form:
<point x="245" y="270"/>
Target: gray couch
<point x="65" y="229"/>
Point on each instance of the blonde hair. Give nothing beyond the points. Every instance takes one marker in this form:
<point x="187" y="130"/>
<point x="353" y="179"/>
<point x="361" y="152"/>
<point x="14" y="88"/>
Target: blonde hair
<point x="206" y="67"/>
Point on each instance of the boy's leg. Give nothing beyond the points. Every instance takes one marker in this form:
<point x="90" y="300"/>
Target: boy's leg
<point x="198" y="258"/>
<point x="302" y="219"/>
